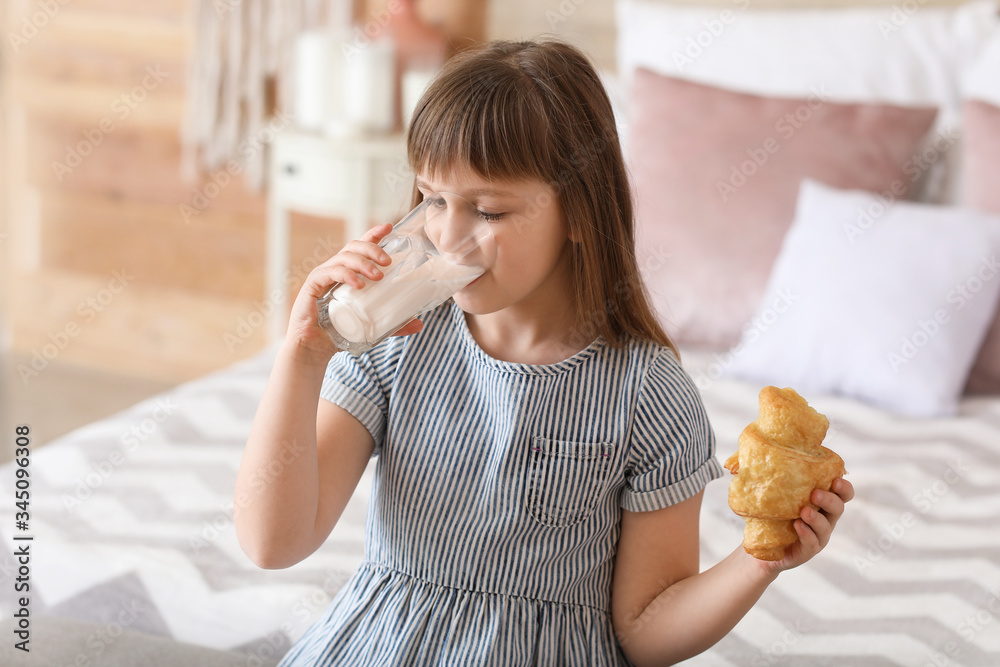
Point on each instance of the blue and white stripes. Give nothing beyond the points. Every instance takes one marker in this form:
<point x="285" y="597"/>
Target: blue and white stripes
<point x="498" y="494"/>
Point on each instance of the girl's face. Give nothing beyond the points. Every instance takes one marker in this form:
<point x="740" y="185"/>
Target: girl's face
<point x="532" y="251"/>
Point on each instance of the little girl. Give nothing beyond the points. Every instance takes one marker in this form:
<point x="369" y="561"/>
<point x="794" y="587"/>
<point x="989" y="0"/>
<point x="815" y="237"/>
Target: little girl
<point x="541" y="453"/>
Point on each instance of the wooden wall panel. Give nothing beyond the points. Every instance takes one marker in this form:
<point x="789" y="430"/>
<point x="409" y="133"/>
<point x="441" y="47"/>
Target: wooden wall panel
<point x="94" y="103"/>
<point x="95" y="233"/>
<point x="66" y="63"/>
<point x="91" y="102"/>
<point x="138" y="36"/>
<point x="141" y="330"/>
<point x="220" y="256"/>
<point x="169" y="10"/>
<point x="128" y="162"/>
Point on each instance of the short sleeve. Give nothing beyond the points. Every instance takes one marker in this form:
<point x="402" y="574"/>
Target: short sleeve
<point x="362" y="385"/>
<point x="672" y="445"/>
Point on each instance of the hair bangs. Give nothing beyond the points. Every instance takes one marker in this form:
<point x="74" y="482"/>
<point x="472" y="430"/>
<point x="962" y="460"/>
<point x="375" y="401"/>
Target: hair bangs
<point x="489" y="120"/>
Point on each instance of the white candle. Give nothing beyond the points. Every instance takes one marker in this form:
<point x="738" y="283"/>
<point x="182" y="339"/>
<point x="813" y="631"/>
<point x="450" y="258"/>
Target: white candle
<point x="367" y="96"/>
<point x="312" y="83"/>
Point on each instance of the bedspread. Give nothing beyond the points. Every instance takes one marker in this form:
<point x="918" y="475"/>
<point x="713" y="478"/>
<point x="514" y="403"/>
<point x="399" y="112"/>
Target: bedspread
<point x="132" y="524"/>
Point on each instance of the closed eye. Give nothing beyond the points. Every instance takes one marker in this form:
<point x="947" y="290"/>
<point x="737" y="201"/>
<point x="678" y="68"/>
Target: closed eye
<point x="490" y="217"/>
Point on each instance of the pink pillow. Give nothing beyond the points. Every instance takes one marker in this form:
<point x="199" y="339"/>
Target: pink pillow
<point x="716" y="175"/>
<point x="981" y="175"/>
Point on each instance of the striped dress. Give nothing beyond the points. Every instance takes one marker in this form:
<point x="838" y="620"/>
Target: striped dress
<point x="497" y="497"/>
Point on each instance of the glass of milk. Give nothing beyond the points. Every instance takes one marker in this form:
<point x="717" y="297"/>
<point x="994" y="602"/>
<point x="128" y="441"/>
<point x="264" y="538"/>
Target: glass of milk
<point x="438" y="248"/>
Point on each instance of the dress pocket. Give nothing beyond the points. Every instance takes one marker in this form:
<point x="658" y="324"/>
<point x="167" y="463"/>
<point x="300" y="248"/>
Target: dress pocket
<point x="565" y="479"/>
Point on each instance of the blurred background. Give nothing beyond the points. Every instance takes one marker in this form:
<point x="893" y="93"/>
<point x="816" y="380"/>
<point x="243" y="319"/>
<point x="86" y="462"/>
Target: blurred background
<point x="144" y="239"/>
<point x="134" y="252"/>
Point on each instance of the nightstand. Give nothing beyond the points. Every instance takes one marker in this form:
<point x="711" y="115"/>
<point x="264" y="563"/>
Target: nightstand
<point x="358" y="179"/>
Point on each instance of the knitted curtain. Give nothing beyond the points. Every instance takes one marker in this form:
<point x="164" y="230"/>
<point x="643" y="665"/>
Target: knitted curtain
<point x="239" y="45"/>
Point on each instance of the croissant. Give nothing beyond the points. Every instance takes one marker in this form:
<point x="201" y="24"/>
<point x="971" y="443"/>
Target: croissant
<point x="779" y="462"/>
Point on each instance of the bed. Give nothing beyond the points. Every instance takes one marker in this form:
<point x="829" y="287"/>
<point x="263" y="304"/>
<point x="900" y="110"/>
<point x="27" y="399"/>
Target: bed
<point x="134" y="558"/>
<point x="142" y="541"/>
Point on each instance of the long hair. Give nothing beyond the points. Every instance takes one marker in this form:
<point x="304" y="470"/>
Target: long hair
<point x="538" y="111"/>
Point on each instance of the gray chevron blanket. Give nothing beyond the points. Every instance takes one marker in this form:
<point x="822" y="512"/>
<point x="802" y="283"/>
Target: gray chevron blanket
<point x="131" y="519"/>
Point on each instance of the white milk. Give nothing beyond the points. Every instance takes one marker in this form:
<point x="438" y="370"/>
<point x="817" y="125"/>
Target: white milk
<point x="414" y="283"/>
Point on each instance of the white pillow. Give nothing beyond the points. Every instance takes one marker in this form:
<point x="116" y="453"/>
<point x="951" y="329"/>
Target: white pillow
<point x="862" y="54"/>
<point x="884" y="304"/>
<point x="982" y="80"/>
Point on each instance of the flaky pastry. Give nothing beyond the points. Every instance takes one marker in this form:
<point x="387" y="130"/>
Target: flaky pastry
<point x="778" y="463"/>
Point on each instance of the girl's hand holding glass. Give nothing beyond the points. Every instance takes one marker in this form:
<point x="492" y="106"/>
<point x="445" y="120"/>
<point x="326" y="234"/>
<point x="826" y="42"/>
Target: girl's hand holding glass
<point x="438" y="248"/>
<point x="359" y="259"/>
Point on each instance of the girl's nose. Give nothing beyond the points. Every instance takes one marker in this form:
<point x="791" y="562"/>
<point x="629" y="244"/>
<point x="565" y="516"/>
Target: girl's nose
<point x="455" y="228"/>
<point x="456" y="238"/>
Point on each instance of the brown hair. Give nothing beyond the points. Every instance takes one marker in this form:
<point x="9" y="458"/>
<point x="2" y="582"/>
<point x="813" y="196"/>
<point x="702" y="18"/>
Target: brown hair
<point x="538" y="111"/>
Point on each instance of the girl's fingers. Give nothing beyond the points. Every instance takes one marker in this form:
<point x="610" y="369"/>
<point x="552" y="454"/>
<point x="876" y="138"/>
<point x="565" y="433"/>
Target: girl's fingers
<point x="362" y="250"/>
<point x="371" y="250"/>
<point x="366" y="246"/>
<point x="843" y="488"/>
<point x="832" y="502"/>
<point x="362" y="257"/>
<point x="348" y="267"/>
<point x="818" y="524"/>
<point x="357" y="260"/>
<point x="376" y="233"/>
<point x="362" y="265"/>
<point x="810" y="539"/>
<point x="815" y="526"/>
<point x="322" y="278"/>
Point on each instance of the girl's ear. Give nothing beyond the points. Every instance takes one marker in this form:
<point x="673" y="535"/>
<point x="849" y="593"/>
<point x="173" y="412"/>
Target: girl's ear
<point x="571" y="232"/>
<point x="574" y="236"/>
